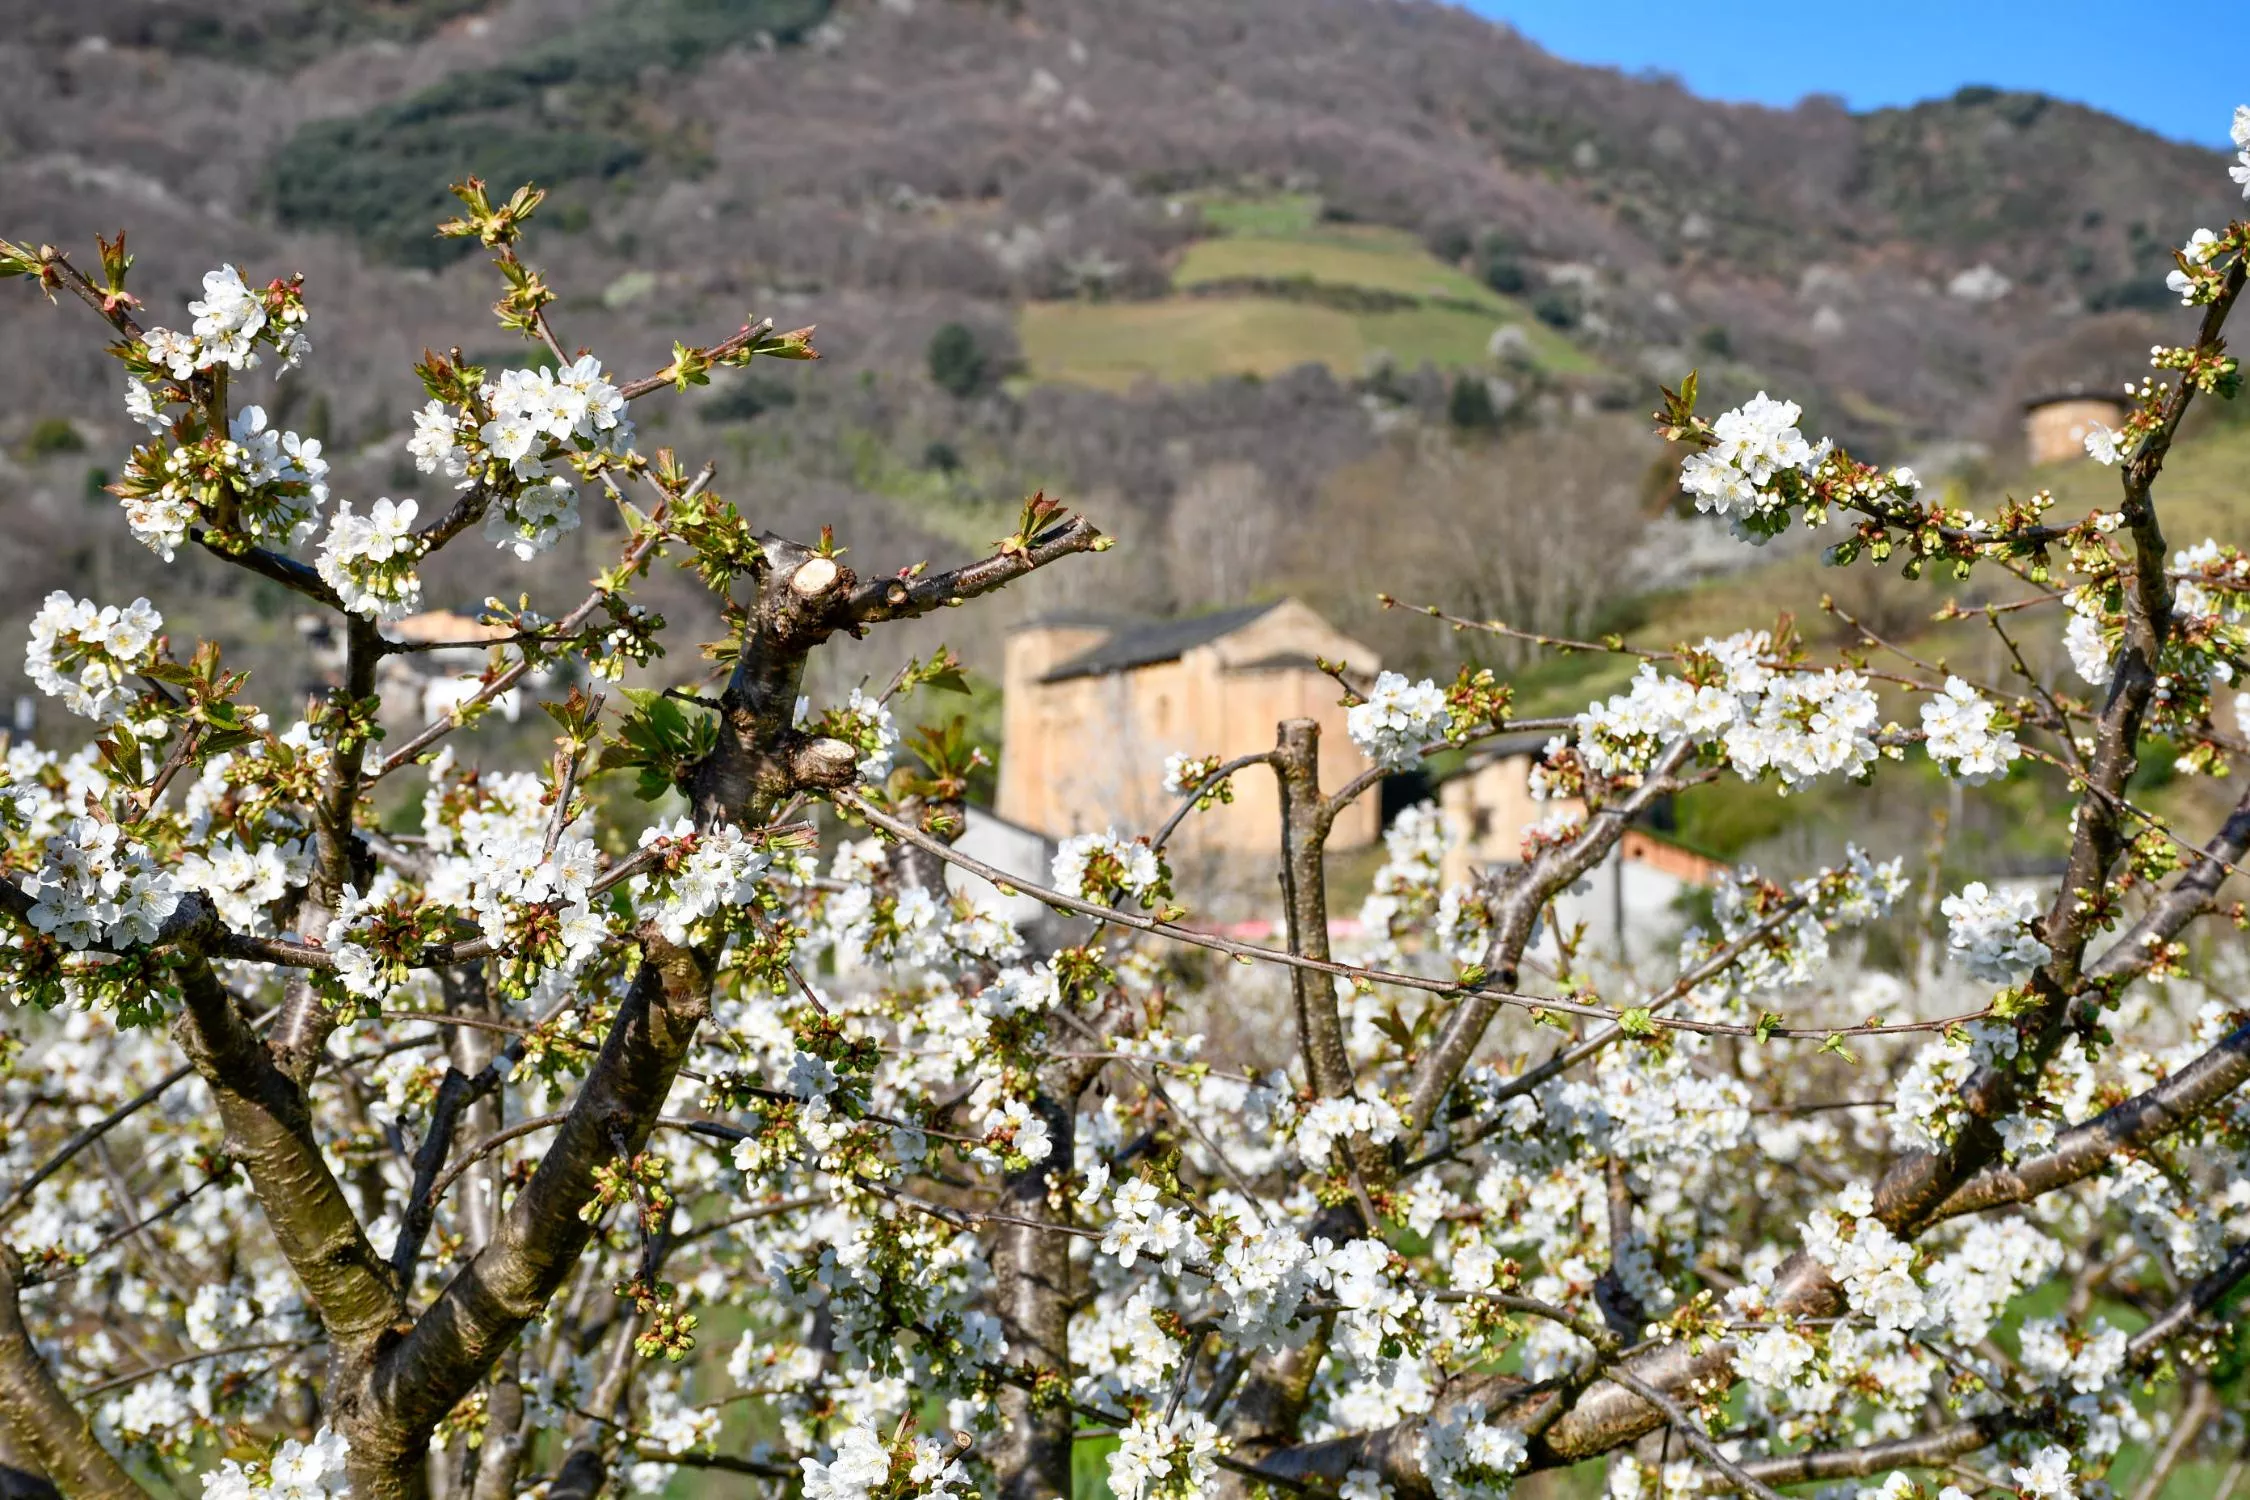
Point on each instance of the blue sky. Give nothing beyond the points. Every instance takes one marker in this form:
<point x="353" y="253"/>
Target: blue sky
<point x="1767" y="52"/>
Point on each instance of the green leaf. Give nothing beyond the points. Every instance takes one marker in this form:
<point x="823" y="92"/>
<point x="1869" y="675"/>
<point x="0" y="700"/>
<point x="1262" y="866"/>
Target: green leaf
<point x="1401" y="1034"/>
<point x="121" y="751"/>
<point x="1769" y="1022"/>
<point x="660" y="739"/>
<point x="1637" y="1021"/>
<point x="219" y="744"/>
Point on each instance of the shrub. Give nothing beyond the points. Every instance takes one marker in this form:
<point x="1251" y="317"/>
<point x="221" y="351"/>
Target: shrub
<point x="1450" y="243"/>
<point x="1504" y="273"/>
<point x="1557" y="307"/>
<point x="957" y="360"/>
<point x="52" y="435"/>
<point x="1468" y="405"/>
<point x="747" y="397"/>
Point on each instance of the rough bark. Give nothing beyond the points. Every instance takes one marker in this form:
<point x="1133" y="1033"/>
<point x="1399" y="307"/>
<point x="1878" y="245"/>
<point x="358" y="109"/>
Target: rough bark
<point x="269" y="1131"/>
<point x="1306" y="818"/>
<point x="535" y="1245"/>
<point x="1522" y="897"/>
<point x="2083" y="1150"/>
<point x="1270" y="1406"/>
<point x="47" y="1425"/>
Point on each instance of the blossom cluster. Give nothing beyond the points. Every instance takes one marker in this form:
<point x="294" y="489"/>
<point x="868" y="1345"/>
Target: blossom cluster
<point x="1165" y="1458"/>
<point x="1108" y="867"/>
<point x="93" y="886"/>
<point x="527" y="426"/>
<point x="242" y="881"/>
<point x="1753" y="443"/>
<point x="369" y="560"/>
<point x="1990" y="932"/>
<point x="87" y="654"/>
<point x="1325" y="1121"/>
<point x="1799" y="724"/>
<point x="860" y="1465"/>
<point x="1397" y="718"/>
<point x="1140" y="1223"/>
<point x="2240" y="133"/>
<point x="258" y="481"/>
<point x="2090" y="637"/>
<point x="231" y="321"/>
<point x="1957" y="726"/>
<point x="296" y="1471"/>
<point x="708" y="870"/>
<point x="1469" y="1458"/>
<point x="1873" y="1265"/>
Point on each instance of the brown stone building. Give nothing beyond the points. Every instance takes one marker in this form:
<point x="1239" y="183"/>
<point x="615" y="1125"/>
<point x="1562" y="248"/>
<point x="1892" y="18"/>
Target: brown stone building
<point x="1092" y="707"/>
<point x="423" y="685"/>
<point x="1628" y="901"/>
<point x="2055" y="425"/>
<point x="1489" y="808"/>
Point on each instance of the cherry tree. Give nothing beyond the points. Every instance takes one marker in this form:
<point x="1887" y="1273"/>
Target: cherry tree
<point x="341" y="1159"/>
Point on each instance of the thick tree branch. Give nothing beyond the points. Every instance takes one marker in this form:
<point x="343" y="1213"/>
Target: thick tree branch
<point x="2188" y="897"/>
<point x="2083" y="1150"/>
<point x="1305" y="820"/>
<point x="2198" y="1300"/>
<point x="1525" y="893"/>
<point x="1921" y="1451"/>
<point x="269" y="1131"/>
<point x="275" y="567"/>
<point x="1031" y="1273"/>
<point x="455" y="1094"/>
<point x="538" y="1241"/>
<point x="46" y="1423"/>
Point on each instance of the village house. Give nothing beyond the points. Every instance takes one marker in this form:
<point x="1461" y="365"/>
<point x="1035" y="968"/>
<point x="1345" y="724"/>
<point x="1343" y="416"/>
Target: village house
<point x="1011" y="849"/>
<point x="1627" y="903"/>
<point x="1092" y="707"/>
<point x="2055" y="425"/>
<point x="422" y="686"/>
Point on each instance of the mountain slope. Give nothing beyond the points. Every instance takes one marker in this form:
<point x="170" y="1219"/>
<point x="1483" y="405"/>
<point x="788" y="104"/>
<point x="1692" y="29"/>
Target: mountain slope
<point x="1103" y="191"/>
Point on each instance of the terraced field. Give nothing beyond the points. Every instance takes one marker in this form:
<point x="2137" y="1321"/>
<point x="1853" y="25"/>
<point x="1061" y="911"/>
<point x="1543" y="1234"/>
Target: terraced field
<point x="1277" y="288"/>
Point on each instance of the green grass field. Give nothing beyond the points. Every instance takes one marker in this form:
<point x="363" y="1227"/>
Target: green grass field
<point x="1115" y="345"/>
<point x="1380" y="260"/>
<point x="1287" y="214"/>
<point x="1187" y="338"/>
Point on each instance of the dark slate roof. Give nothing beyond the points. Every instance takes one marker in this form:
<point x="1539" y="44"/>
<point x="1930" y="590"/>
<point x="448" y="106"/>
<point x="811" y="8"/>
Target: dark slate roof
<point x="2077" y="390"/>
<point x="1148" y="642"/>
